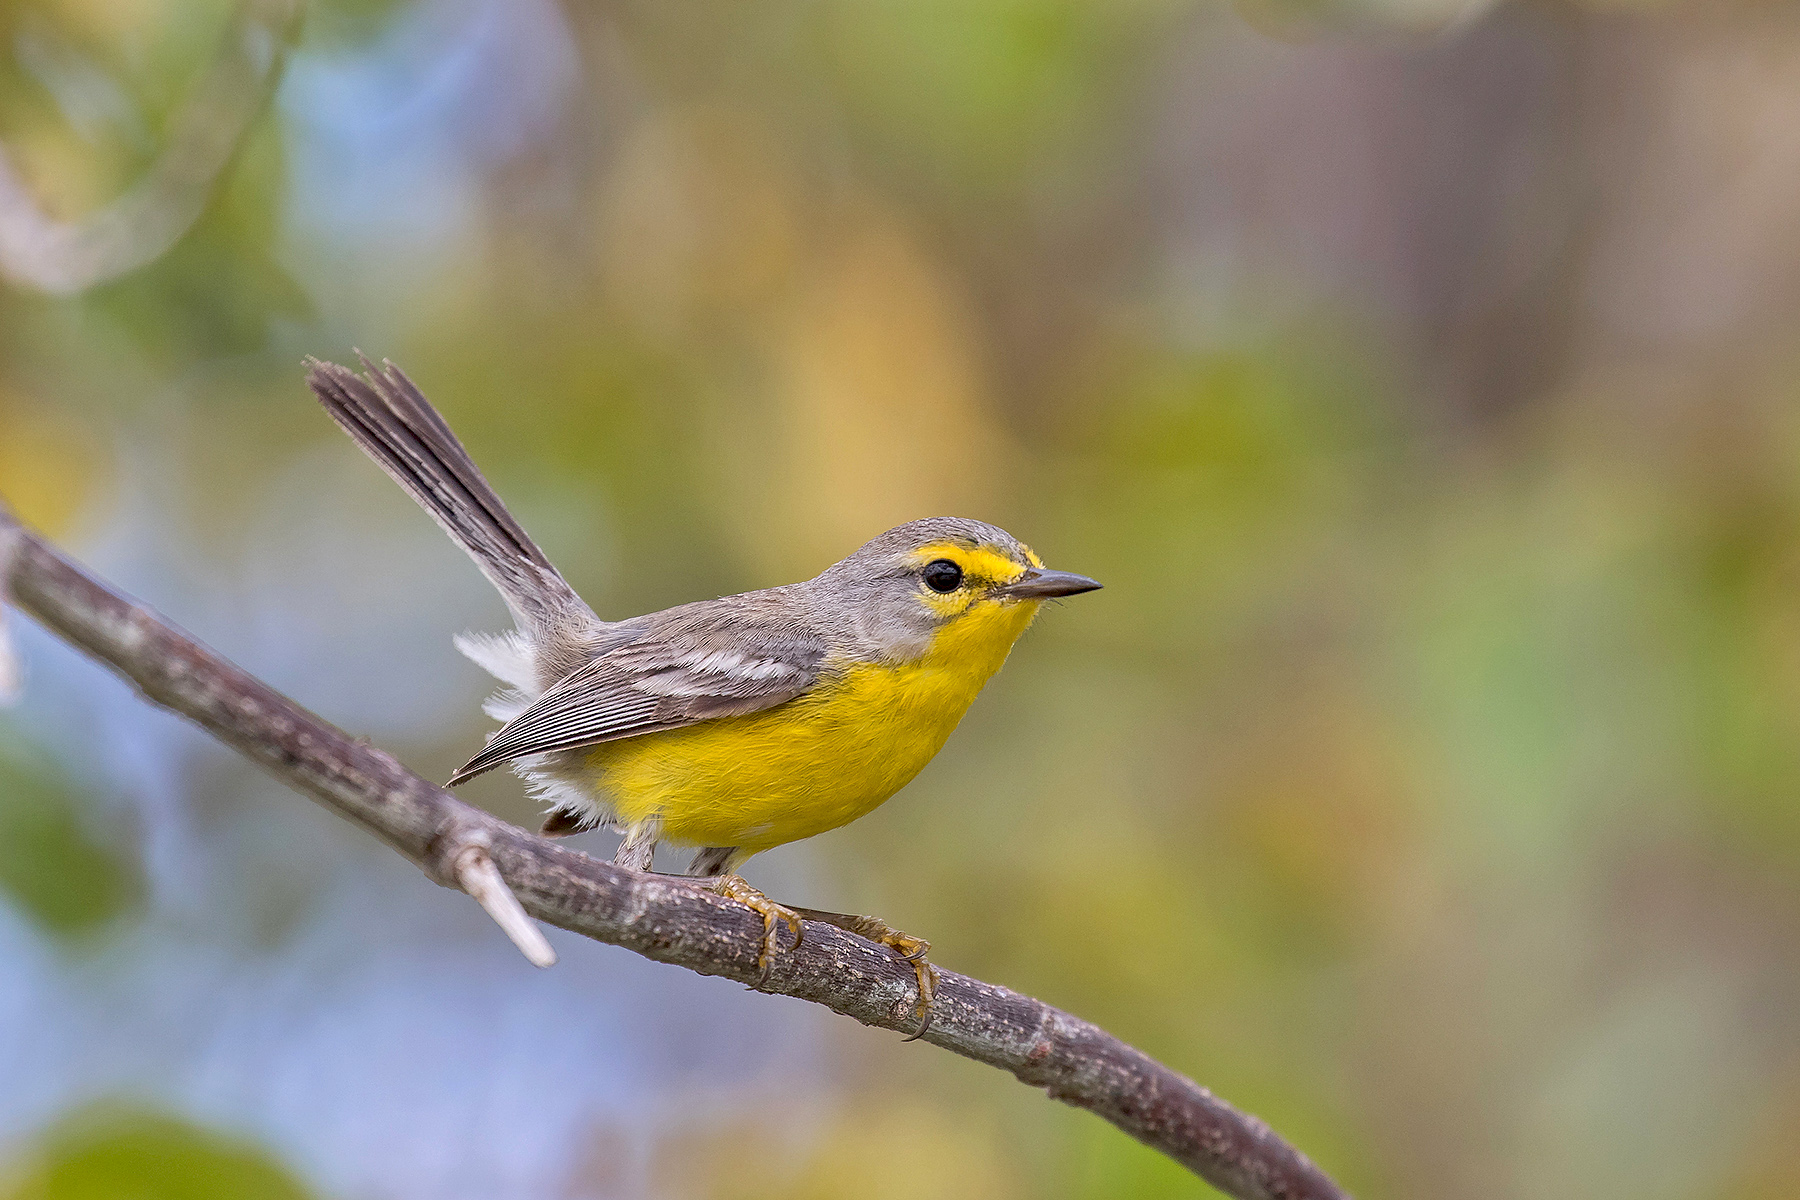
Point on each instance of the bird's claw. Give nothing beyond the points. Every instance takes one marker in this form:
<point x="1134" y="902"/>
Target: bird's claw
<point x="733" y="887"/>
<point x="906" y="947"/>
<point x="909" y="949"/>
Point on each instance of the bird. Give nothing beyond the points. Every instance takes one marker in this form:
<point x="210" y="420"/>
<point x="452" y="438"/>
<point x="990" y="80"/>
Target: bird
<point x="735" y="724"/>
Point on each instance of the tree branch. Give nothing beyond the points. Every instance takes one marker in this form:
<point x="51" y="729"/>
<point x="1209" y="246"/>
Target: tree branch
<point x="461" y="846"/>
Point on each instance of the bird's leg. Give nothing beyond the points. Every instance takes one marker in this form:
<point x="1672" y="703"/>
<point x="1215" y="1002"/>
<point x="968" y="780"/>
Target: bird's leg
<point x="911" y="949"/>
<point x="639" y="847"/>
<point x="732" y="886"/>
<point x="713" y="860"/>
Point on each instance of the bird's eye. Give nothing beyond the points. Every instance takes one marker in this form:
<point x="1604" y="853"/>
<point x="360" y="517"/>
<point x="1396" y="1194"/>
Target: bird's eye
<point x="942" y="575"/>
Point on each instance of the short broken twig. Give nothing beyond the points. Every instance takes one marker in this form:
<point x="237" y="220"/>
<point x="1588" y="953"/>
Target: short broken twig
<point x="513" y="872"/>
<point x="472" y="869"/>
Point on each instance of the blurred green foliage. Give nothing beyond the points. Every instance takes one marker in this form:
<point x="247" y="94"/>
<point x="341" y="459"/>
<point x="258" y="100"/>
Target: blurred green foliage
<point x="51" y="868"/>
<point x="116" y="1153"/>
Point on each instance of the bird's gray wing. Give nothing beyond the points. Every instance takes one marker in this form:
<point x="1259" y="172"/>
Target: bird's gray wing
<point x="721" y="658"/>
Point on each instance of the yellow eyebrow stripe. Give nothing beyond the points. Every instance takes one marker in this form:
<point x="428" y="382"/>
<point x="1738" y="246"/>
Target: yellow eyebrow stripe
<point x="979" y="563"/>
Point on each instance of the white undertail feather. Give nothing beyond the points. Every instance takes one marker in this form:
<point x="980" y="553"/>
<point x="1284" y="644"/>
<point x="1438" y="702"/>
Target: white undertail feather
<point x="512" y="659"/>
<point x="557" y="794"/>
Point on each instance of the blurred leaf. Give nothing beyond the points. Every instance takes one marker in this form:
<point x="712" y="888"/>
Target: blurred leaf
<point x="49" y="867"/>
<point x="114" y="1154"/>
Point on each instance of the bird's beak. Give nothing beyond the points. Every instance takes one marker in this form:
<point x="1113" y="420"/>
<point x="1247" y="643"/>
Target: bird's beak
<point x="1045" y="585"/>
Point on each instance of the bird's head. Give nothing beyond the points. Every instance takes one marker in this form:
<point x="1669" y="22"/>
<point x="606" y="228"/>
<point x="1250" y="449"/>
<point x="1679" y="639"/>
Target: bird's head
<point x="944" y="585"/>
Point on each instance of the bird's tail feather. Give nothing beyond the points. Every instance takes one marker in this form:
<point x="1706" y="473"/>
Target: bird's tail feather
<point x="397" y="427"/>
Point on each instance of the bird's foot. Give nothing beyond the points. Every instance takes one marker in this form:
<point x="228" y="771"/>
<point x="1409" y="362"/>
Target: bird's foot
<point x="911" y="950"/>
<point x="733" y="887"/>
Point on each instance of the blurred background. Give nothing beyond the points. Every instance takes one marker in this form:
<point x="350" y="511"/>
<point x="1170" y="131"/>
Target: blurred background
<point x="1420" y="376"/>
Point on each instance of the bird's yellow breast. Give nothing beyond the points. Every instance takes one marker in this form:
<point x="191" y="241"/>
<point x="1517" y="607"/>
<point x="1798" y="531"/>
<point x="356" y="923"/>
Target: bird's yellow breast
<point x="818" y="761"/>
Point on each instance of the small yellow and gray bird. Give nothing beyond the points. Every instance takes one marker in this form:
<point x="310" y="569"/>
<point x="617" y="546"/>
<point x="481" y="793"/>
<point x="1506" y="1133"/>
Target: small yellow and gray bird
<point x="733" y="725"/>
